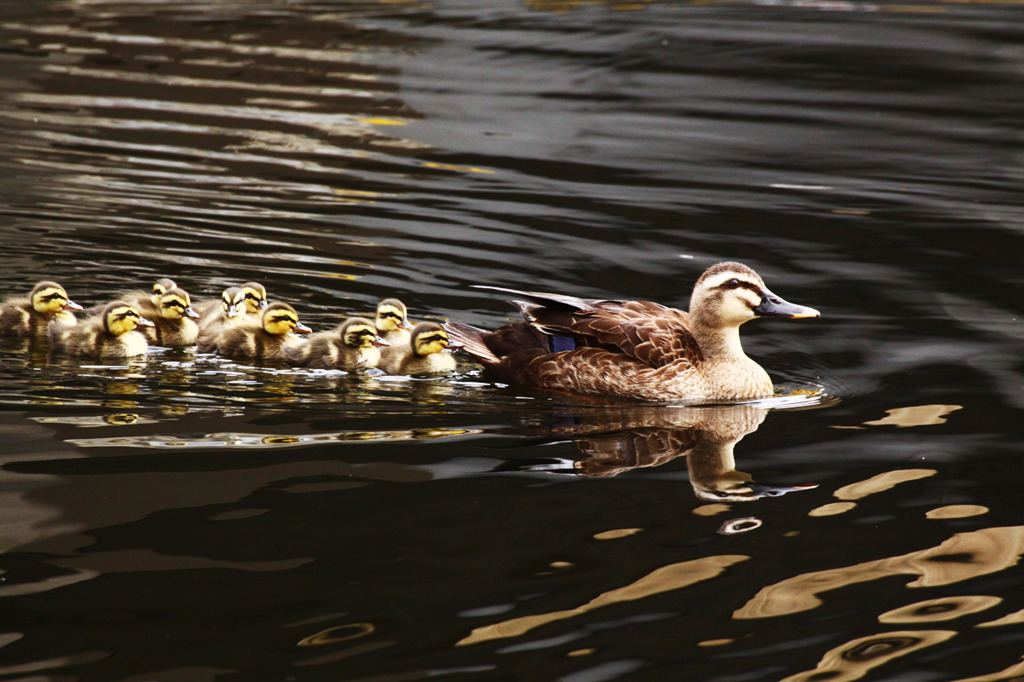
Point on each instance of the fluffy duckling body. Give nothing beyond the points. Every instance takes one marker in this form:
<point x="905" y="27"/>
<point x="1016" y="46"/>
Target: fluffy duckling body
<point x="172" y="316"/>
<point x="392" y="320"/>
<point x="636" y="349"/>
<point x="111" y="334"/>
<point x="354" y="344"/>
<point x="266" y="340"/>
<point x="218" y="315"/>
<point x="424" y="354"/>
<point x="30" y="316"/>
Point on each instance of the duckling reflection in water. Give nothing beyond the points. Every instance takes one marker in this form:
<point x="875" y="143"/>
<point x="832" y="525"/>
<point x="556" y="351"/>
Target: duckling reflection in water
<point x="638" y="437"/>
<point x="110" y="334"/>
<point x="425" y="352"/>
<point x="30" y="316"/>
<point x="636" y="349"/>
<point x="354" y="344"/>
<point x="266" y="339"/>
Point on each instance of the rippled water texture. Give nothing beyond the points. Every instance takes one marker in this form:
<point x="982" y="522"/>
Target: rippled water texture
<point x="190" y="518"/>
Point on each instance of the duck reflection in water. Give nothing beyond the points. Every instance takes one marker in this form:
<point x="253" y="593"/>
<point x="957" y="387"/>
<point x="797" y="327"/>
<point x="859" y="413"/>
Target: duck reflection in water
<point x="647" y="436"/>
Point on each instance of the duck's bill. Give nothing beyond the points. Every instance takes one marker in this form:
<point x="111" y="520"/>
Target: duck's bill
<point x="302" y="329"/>
<point x="378" y="341"/>
<point x="143" y="322"/>
<point x="71" y="305"/>
<point x="190" y="312"/>
<point x="774" y="306"/>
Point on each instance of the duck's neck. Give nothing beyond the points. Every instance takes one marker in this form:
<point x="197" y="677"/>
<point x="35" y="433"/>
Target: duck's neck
<point x="719" y="343"/>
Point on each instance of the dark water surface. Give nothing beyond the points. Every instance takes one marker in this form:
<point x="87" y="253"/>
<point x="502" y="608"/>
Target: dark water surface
<point x="190" y="518"/>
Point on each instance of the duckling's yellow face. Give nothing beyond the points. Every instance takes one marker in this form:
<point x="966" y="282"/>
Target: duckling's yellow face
<point x="121" y="318"/>
<point x="361" y="334"/>
<point x="233" y="302"/>
<point x="175" y="305"/>
<point x="281" y="318"/>
<point x="427" y="339"/>
<point x="49" y="298"/>
<point x="391" y="315"/>
<point x="161" y="287"/>
<point x="255" y="296"/>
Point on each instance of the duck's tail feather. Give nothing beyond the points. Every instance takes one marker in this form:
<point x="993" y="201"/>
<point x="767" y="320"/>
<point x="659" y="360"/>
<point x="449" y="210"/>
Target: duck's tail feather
<point x="471" y="339"/>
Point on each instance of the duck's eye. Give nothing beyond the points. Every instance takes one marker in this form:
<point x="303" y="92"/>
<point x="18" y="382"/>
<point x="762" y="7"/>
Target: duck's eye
<point x="734" y="283"/>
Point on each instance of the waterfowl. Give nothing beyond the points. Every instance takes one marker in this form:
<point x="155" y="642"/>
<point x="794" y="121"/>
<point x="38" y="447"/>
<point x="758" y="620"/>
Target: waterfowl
<point x="354" y="344"/>
<point x="636" y="349"/>
<point x="161" y="287"/>
<point x="30" y="316"/>
<point x="112" y="333"/>
<point x="140" y="298"/>
<point x="255" y="297"/>
<point x="424" y="353"/>
<point x="263" y="340"/>
<point x="219" y="314"/>
<point x="172" y="316"/>
<point x="392" y="320"/>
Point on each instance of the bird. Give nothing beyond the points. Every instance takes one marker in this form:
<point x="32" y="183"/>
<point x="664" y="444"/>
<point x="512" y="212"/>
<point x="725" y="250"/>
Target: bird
<point x="110" y="334"/>
<point x="140" y="298"/>
<point x="172" y="316"/>
<point x="353" y="344"/>
<point x="266" y="339"/>
<point x="30" y="316"/>
<point x="392" y="320"/>
<point x="636" y="349"/>
<point x="425" y="352"/>
<point x="216" y="315"/>
<point x="255" y="298"/>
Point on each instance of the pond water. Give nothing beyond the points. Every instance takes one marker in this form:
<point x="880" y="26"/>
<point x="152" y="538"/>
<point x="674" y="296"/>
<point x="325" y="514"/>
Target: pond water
<point x="190" y="518"/>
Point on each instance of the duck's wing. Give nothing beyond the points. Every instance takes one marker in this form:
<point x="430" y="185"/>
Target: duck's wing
<point x="649" y="332"/>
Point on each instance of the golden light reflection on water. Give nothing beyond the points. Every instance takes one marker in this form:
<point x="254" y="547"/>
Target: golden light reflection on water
<point x="861" y="489"/>
<point x="937" y="610"/>
<point x="664" y="579"/>
<point x="857" y="658"/>
<point x="961" y="557"/>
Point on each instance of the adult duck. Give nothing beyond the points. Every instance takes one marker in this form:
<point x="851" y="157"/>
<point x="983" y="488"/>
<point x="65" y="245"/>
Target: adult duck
<point x="636" y="349"/>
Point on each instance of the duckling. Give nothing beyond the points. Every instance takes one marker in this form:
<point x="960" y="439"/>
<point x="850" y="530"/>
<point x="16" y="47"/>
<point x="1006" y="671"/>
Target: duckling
<point x="112" y="333"/>
<point x="351" y="345"/>
<point x="140" y="298"/>
<point x="424" y="354"/>
<point x="393" y="324"/>
<point x="161" y="287"/>
<point x="30" y="316"/>
<point x="172" y="317"/>
<point x="255" y="297"/>
<point x="219" y="315"/>
<point x="636" y="349"/>
<point x="265" y="340"/>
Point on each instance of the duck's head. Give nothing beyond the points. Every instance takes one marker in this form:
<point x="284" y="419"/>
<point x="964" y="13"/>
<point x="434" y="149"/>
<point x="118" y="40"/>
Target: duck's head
<point x="255" y="296"/>
<point x="232" y="302"/>
<point x="175" y="304"/>
<point x="121" y="317"/>
<point x="427" y="338"/>
<point x="50" y="297"/>
<point x="729" y="294"/>
<point x="161" y="287"/>
<point x="281" y="318"/>
<point x="359" y="332"/>
<point x="391" y="315"/>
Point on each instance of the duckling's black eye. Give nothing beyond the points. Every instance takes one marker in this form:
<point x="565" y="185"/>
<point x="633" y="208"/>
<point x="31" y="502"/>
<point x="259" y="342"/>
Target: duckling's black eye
<point x="734" y="283"/>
